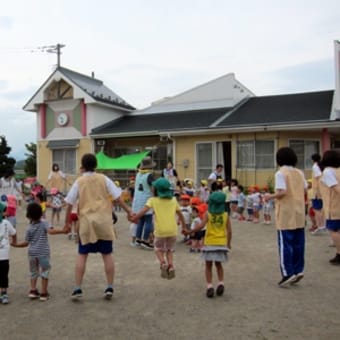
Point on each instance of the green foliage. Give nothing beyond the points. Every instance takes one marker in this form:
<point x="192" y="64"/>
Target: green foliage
<point x="270" y="184"/>
<point x="6" y="162"/>
<point x="31" y="160"/>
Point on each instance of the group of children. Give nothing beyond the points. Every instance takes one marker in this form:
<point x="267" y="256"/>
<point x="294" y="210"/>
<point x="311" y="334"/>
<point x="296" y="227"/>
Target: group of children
<point x="197" y="220"/>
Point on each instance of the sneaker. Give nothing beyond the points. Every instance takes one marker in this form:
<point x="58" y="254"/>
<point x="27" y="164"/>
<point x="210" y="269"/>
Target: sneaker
<point x="147" y="245"/>
<point x="298" y="277"/>
<point x="210" y="292"/>
<point x="33" y="294"/>
<point x="44" y="297"/>
<point x="138" y="243"/>
<point x="4" y="299"/>
<point x="171" y="272"/>
<point x="318" y="231"/>
<point x="220" y="290"/>
<point x="335" y="260"/>
<point x="286" y="280"/>
<point x="76" y="294"/>
<point x="108" y="293"/>
<point x="133" y="244"/>
<point x="164" y="271"/>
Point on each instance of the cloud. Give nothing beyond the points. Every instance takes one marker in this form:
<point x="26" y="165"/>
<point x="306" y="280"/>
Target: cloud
<point x="6" y="22"/>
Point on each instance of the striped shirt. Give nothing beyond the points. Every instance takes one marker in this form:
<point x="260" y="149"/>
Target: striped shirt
<point x="36" y="236"/>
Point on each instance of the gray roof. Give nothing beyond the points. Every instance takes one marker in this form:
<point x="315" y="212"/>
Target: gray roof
<point x="256" y="111"/>
<point x="95" y="88"/>
<point x="162" y="121"/>
<point x="282" y="109"/>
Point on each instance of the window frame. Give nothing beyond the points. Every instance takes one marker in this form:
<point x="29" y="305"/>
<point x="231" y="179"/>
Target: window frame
<point x="254" y="155"/>
<point x="307" y="162"/>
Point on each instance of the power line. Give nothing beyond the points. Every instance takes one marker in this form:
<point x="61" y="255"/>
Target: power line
<point x="37" y="49"/>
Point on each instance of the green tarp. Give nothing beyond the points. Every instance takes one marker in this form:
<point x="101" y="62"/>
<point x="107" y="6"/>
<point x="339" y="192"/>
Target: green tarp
<point x="126" y="162"/>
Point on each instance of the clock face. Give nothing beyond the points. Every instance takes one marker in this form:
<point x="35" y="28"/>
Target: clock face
<point x="62" y="119"/>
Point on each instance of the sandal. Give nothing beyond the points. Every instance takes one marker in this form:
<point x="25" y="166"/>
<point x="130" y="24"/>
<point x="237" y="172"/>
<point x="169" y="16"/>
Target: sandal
<point x="164" y="270"/>
<point x="171" y="272"/>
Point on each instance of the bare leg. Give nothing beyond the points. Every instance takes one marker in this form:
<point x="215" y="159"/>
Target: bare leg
<point x="109" y="267"/>
<point x="80" y="268"/>
<point x="160" y="256"/>
<point x="220" y="273"/>
<point x="208" y="272"/>
<point x="34" y="283"/>
<point x="335" y="235"/>
<point x="170" y="258"/>
<point x="44" y="285"/>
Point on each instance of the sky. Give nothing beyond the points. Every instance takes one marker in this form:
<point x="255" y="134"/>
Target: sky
<point x="145" y="50"/>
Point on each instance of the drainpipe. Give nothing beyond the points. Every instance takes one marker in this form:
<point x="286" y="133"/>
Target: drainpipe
<point x="325" y="140"/>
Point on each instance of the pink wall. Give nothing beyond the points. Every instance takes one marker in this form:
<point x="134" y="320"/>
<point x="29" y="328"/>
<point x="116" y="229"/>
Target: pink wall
<point x="325" y="140"/>
<point x="42" y="109"/>
<point x="83" y="118"/>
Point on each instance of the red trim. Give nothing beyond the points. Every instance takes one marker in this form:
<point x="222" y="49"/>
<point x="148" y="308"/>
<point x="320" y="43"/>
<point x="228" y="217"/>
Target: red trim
<point x="43" y="120"/>
<point x="83" y="118"/>
<point x="326" y="141"/>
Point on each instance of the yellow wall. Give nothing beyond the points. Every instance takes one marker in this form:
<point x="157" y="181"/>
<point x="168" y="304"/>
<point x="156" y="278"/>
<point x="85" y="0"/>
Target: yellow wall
<point x="185" y="150"/>
<point x="45" y="161"/>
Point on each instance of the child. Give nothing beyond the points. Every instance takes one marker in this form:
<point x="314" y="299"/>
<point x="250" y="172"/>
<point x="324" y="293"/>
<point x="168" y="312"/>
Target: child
<point x="6" y="231"/>
<point x="38" y="249"/>
<point x="39" y="198"/>
<point x="73" y="234"/>
<point x="186" y="211"/>
<point x="226" y="190"/>
<point x="233" y="197"/>
<point x="196" y="237"/>
<point x="267" y="208"/>
<point x="250" y="204"/>
<point x="165" y="208"/>
<point x="241" y="199"/>
<point x="56" y="205"/>
<point x="203" y="191"/>
<point x="11" y="210"/>
<point x="217" y="241"/>
<point x="257" y="204"/>
<point x="309" y="206"/>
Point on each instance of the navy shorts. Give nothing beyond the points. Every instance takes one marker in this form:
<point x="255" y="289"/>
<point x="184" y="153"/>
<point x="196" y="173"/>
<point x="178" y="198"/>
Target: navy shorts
<point x="101" y="246"/>
<point x="333" y="225"/>
<point x="317" y="204"/>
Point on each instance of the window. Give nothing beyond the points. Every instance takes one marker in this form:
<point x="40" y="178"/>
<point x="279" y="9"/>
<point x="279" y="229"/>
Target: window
<point x="160" y="156"/>
<point x="204" y="157"/>
<point x="66" y="159"/>
<point x="257" y="154"/>
<point x="304" y="150"/>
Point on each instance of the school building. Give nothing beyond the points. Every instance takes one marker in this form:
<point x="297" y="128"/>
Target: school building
<point x="221" y="121"/>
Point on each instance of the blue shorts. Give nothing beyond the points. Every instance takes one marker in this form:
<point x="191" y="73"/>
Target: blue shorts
<point x="333" y="225"/>
<point x="317" y="204"/>
<point x="101" y="246"/>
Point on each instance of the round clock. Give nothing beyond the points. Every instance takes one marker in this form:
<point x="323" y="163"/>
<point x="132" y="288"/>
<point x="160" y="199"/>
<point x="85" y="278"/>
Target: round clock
<point x="62" y="119"/>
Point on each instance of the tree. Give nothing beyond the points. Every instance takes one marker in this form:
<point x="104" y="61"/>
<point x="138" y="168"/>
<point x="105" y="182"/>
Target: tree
<point x="31" y="160"/>
<point x="6" y="162"/>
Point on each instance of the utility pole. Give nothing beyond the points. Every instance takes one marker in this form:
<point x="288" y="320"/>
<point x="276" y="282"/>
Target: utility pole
<point x="56" y="49"/>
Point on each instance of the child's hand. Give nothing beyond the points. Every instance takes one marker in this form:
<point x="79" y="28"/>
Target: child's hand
<point x="66" y="229"/>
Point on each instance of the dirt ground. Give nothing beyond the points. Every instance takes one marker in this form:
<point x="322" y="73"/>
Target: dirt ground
<point x="146" y="306"/>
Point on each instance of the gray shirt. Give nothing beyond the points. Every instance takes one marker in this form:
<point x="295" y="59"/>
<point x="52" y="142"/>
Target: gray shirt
<point x="36" y="236"/>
